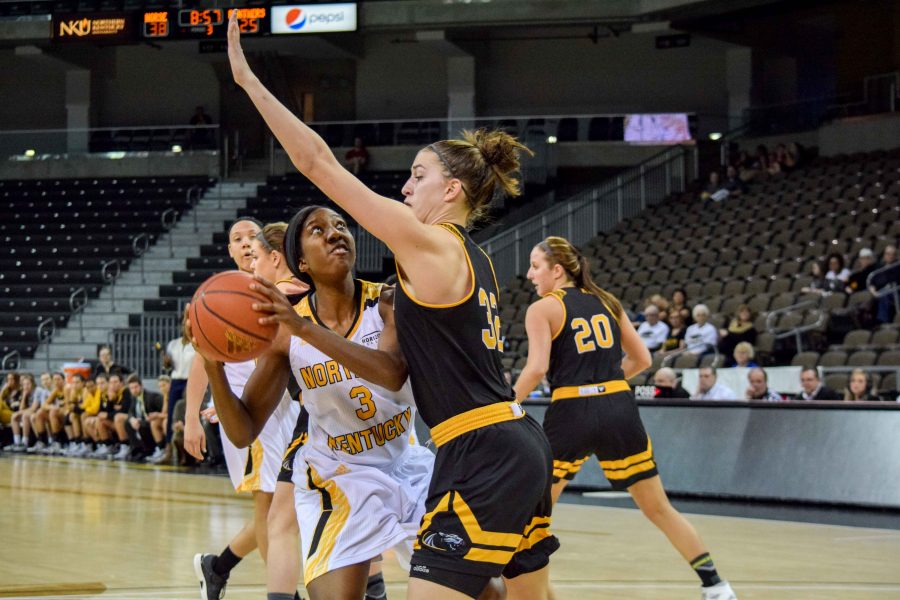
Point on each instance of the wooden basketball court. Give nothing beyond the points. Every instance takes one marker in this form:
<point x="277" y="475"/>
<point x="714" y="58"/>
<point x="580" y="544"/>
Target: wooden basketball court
<point x="94" y="529"/>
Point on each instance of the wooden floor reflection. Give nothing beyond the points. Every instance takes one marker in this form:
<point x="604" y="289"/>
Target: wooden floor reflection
<point x="92" y="529"/>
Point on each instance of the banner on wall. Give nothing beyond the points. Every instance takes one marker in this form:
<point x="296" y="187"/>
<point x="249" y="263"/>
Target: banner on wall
<point x="314" y="18"/>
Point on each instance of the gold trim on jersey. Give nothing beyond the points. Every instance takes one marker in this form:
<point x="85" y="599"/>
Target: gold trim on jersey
<point x="559" y="294"/>
<point x="368" y="291"/>
<point x="486" y="546"/>
<point x="449" y="227"/>
<point x="252" y="468"/>
<point x="475" y="419"/>
<point x="590" y="389"/>
<point x="335" y="513"/>
<point x="626" y="467"/>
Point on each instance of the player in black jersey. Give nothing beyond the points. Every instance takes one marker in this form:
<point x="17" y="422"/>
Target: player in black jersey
<point x="581" y="339"/>
<point x="489" y="500"/>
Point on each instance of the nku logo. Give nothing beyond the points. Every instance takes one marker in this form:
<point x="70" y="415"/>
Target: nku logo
<point x="295" y="19"/>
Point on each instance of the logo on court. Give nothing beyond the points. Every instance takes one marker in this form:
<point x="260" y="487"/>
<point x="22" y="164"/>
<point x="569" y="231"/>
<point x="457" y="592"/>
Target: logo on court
<point x="443" y="542"/>
<point x="295" y="19"/>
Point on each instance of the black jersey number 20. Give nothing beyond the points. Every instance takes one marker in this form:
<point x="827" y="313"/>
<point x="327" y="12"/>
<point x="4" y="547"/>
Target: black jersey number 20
<point x="601" y="329"/>
<point x="491" y="335"/>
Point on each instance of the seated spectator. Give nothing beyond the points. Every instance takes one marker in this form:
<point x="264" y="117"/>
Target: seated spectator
<point x="740" y="329"/>
<point x="93" y="396"/>
<point x="743" y="356"/>
<point x="159" y="422"/>
<point x="865" y="264"/>
<point x="819" y="284"/>
<point x="708" y="387"/>
<point x="733" y="184"/>
<point x="46" y="420"/>
<point x="111" y="420"/>
<point x="357" y="157"/>
<point x="836" y="269"/>
<point x="701" y="337"/>
<point x="881" y="282"/>
<point x="813" y="389"/>
<point x="679" y="304"/>
<point x="11" y="390"/>
<point x="859" y="388"/>
<point x="667" y="385"/>
<point x="759" y="387"/>
<point x="653" y="332"/>
<point x="675" y="339"/>
<point x="714" y="189"/>
<point x="105" y="364"/>
<point x="792" y="157"/>
<point x="21" y="406"/>
<point x="71" y="414"/>
<point x="145" y="405"/>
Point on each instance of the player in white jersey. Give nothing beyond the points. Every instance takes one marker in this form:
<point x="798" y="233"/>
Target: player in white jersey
<point x="254" y="470"/>
<point x="360" y="479"/>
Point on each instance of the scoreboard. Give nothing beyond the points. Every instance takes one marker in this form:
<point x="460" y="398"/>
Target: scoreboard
<point x="201" y="24"/>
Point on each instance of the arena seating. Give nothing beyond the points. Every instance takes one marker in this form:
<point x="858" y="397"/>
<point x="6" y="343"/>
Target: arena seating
<point x="58" y="233"/>
<point x="754" y="249"/>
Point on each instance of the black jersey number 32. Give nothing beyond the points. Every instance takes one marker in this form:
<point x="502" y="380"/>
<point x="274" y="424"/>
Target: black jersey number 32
<point x="491" y="335"/>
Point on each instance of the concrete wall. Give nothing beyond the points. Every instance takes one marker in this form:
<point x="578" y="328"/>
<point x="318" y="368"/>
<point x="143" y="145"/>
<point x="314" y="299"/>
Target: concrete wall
<point x="33" y="92"/>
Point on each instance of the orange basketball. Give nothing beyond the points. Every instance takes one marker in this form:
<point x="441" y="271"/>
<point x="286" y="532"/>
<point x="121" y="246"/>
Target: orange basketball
<point x="223" y="321"/>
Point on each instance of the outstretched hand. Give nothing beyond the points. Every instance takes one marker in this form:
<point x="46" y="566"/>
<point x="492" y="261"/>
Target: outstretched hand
<point x="278" y="308"/>
<point x="240" y="68"/>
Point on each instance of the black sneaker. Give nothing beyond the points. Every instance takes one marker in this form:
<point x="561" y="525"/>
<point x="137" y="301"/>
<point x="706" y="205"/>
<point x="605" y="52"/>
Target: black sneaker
<point x="212" y="585"/>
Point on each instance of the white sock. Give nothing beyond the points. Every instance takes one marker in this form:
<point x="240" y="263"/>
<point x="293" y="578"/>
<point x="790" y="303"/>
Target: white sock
<point x="17" y="438"/>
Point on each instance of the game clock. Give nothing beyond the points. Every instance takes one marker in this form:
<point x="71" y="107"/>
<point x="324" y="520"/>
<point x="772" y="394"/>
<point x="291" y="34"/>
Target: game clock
<point x="200" y="24"/>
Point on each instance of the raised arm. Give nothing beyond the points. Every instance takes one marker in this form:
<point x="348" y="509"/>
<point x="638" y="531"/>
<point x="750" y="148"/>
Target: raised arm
<point x="539" y="325"/>
<point x="384" y="366"/>
<point x="637" y="357"/>
<point x="388" y="220"/>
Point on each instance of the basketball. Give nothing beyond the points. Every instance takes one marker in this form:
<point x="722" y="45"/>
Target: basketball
<point x="223" y="321"/>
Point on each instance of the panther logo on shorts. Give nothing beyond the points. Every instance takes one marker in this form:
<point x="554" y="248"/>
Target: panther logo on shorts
<point x="443" y="542"/>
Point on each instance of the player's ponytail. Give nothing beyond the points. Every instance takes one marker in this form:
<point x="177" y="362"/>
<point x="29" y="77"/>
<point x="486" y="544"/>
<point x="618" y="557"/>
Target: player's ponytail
<point x="560" y="251"/>
<point x="486" y="162"/>
<point x="293" y="249"/>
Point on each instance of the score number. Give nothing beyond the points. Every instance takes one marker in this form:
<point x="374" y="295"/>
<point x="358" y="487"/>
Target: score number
<point x="156" y="24"/>
<point x="202" y="23"/>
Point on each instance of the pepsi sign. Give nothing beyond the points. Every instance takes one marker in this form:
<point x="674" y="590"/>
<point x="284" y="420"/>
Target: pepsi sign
<point x="314" y="18"/>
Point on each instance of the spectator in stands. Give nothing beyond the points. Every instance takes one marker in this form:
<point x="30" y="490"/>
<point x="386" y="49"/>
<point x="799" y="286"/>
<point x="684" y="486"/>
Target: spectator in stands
<point x="733" y="184"/>
<point x="859" y="388"/>
<point x="145" y="406"/>
<point x="667" y="385"/>
<point x="743" y="355"/>
<point x="675" y="339"/>
<point x="107" y="366"/>
<point x="181" y="354"/>
<point x="792" y="157"/>
<point x="701" y="337"/>
<point x="813" y="389"/>
<point x="714" y="189"/>
<point x="819" y="284"/>
<point x="743" y="163"/>
<point x="11" y="391"/>
<point x="760" y="163"/>
<point x="46" y="419"/>
<point x="357" y="157"/>
<point x="159" y="422"/>
<point x="865" y="264"/>
<point x="740" y="329"/>
<point x="759" y="387"/>
<point x="653" y="332"/>
<point x="111" y="420"/>
<point x="19" y="407"/>
<point x="708" y="387"/>
<point x="679" y="304"/>
<point x="71" y="413"/>
<point x="88" y="406"/>
<point x="884" y="311"/>
<point x="836" y="269"/>
<point x="660" y="302"/>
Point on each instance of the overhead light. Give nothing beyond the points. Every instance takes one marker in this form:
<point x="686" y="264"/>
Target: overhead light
<point x="715" y="135"/>
<point x="30" y="153"/>
<point x="176" y="148"/>
<point x="117" y="155"/>
<point x="551" y="139"/>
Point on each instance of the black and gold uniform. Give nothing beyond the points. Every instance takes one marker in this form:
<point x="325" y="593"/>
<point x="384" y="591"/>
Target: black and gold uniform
<point x="488" y="506"/>
<point x="301" y="429"/>
<point x="593" y="410"/>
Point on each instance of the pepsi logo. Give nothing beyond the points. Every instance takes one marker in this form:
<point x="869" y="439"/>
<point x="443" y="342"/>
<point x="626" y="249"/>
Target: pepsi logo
<point x="295" y="19"/>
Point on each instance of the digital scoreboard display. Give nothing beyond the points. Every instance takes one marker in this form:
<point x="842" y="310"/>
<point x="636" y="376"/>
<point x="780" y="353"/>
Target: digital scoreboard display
<point x="201" y="24"/>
